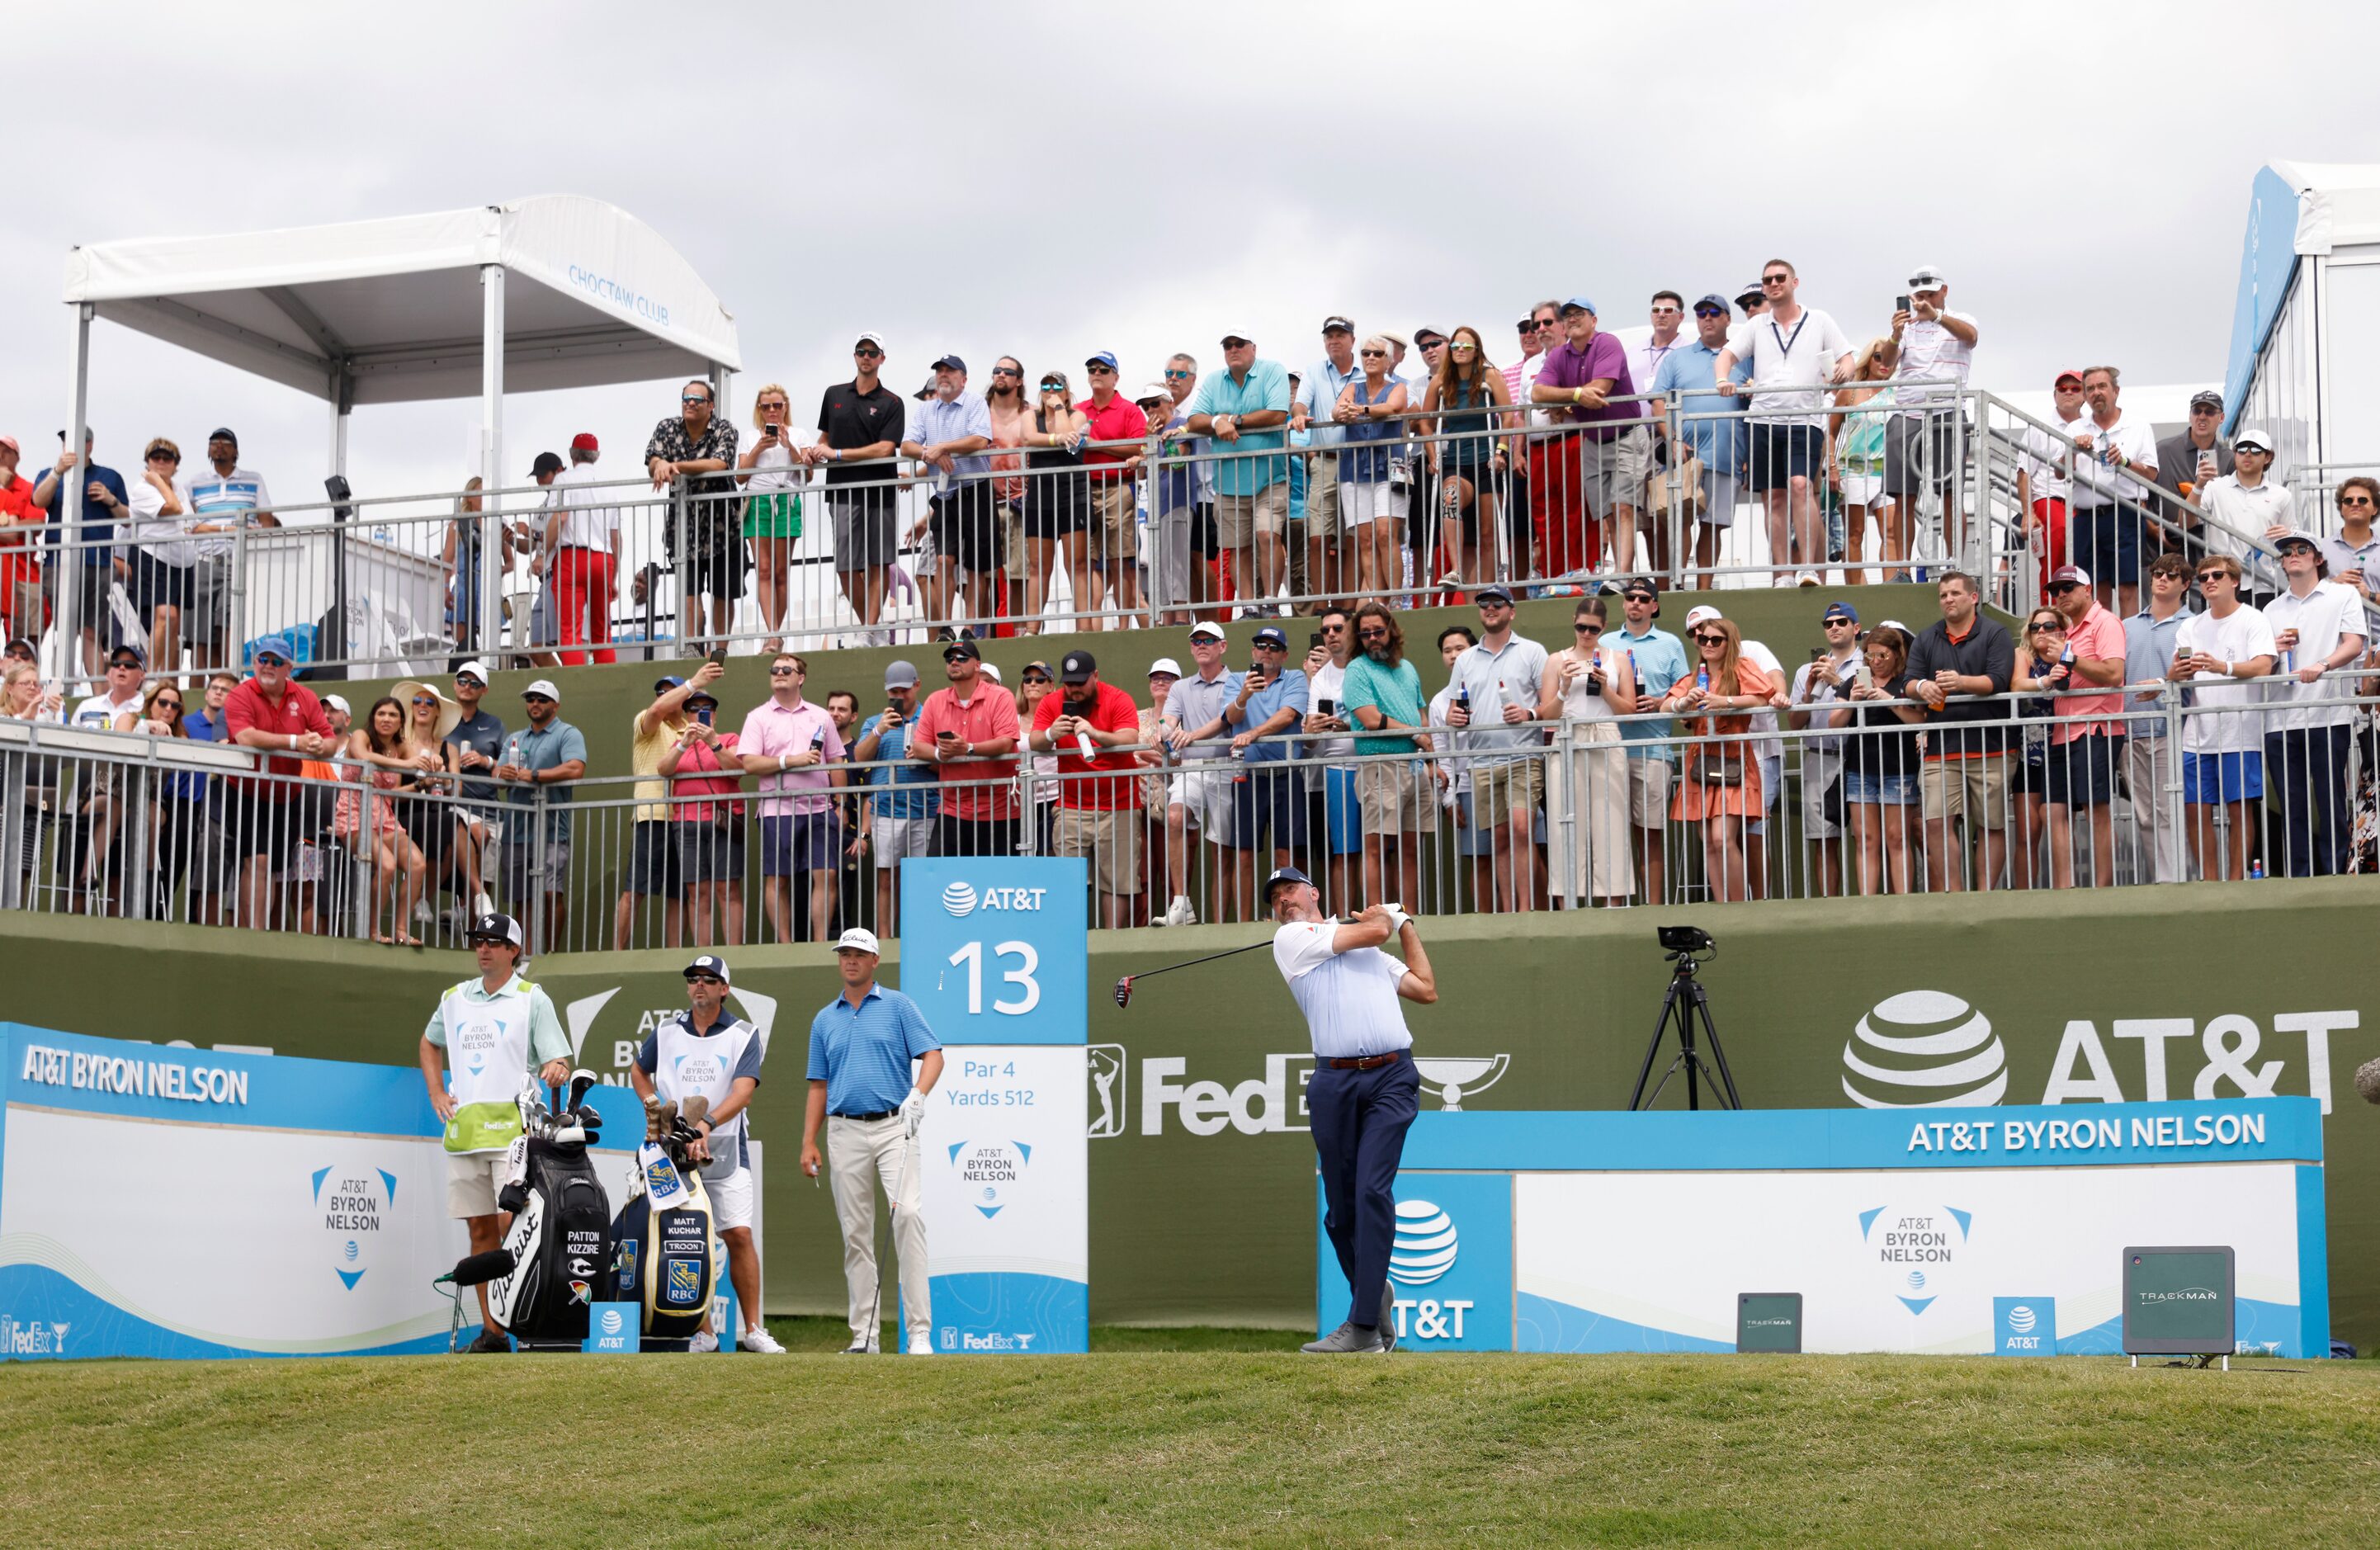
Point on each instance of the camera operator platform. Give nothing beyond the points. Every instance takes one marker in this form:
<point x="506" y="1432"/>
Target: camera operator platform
<point x="1684" y="1006"/>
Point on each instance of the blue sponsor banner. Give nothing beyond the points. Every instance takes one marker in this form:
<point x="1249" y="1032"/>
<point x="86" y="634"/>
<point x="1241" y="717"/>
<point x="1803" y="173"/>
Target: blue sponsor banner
<point x="1450" y="1266"/>
<point x="1011" y="1312"/>
<point x="611" y="1329"/>
<point x="992" y="948"/>
<point x="2025" y="1326"/>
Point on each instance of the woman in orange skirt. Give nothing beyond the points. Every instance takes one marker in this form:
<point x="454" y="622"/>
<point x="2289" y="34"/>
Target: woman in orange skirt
<point x="1719" y="783"/>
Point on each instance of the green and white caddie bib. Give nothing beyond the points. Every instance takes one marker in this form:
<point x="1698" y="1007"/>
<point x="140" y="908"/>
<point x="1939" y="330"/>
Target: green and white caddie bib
<point x="487" y="1060"/>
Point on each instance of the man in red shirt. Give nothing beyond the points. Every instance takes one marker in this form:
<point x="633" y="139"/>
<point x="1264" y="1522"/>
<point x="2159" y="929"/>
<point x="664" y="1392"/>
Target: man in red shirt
<point x="968" y="733"/>
<point x="1097" y="817"/>
<point x="270" y="711"/>
<point x="2084" y="754"/>
<point x="21" y="610"/>
<point x="1115" y="549"/>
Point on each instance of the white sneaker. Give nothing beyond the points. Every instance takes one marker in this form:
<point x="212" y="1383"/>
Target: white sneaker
<point x="1181" y="913"/>
<point x="762" y="1341"/>
<point x="704" y="1341"/>
<point x="921" y="1342"/>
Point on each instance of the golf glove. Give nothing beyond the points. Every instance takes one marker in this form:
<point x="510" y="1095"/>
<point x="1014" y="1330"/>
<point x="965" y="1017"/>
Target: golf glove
<point x="1397" y="919"/>
<point x="913" y="1113"/>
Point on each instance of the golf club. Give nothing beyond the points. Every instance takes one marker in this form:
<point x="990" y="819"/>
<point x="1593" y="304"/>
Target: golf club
<point x="1123" y="986"/>
<point x="580" y="1081"/>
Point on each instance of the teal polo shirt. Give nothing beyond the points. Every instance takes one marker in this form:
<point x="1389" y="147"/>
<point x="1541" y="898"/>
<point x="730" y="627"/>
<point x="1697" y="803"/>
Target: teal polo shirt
<point x="1267" y="388"/>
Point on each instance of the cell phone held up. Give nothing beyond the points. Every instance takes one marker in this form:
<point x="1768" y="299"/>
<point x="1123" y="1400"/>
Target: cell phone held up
<point x="1901" y="304"/>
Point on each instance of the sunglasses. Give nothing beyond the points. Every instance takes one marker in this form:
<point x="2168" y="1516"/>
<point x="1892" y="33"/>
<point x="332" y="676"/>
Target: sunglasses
<point x="693" y="398"/>
<point x="2037" y="626"/>
<point x="1372" y="634"/>
<point x="1774" y="279"/>
<point x="1175" y="375"/>
<point x="467" y="681"/>
<point x="129" y="667"/>
<point x="165" y="457"/>
<point x="704" y="980"/>
<point x="2206" y="576"/>
<point x="1334" y="630"/>
<point x="1235" y="342"/>
<point x="262" y="661"/>
<point x="1527" y="325"/>
<point x="1100" y="371"/>
<point x="867" y="352"/>
<point x="1053" y="387"/>
<point x="1711" y="311"/>
<point x="783" y="672"/>
<point x="1373" y="354"/>
<point x="1586" y="630"/>
<point x="2346" y="501"/>
<point x="168" y="705"/>
<point x="1007" y="371"/>
<point x="425" y="699"/>
<point x="2062" y="588"/>
<point x="1839" y="619"/>
<point x="1464" y="349"/>
<point x="537" y="699"/>
<point x="1709" y="638"/>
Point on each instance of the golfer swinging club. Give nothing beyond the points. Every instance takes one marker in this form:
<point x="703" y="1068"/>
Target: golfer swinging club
<point x="1364" y="1088"/>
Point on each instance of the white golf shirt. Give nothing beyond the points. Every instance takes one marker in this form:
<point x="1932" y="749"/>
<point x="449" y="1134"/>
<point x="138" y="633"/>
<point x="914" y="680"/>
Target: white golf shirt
<point x="1349" y="999"/>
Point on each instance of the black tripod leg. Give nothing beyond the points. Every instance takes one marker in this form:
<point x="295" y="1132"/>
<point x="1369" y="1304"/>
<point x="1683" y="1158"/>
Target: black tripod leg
<point x="1653" y="1047"/>
<point x="1718" y="1051"/>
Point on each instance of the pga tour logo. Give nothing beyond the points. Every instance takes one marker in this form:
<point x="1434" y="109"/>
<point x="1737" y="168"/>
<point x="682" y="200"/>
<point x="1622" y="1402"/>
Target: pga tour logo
<point x="961" y="900"/>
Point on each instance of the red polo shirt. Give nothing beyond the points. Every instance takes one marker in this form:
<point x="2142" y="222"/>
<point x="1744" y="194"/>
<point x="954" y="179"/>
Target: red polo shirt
<point x="247" y="710"/>
<point x="988" y="717"/>
<point x="1111" y="711"/>
<point x="1121" y="421"/>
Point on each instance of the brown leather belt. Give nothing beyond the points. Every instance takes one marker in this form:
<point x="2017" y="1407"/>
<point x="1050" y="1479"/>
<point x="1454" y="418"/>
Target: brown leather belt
<point x="1367" y="1062"/>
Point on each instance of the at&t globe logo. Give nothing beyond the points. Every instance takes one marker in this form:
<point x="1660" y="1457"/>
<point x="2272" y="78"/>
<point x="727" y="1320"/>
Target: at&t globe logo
<point x="2022" y="1319"/>
<point x="959" y="899"/>
<point x="611" y="1322"/>
<point x="1424" y="1245"/>
<point x="1923" y="1049"/>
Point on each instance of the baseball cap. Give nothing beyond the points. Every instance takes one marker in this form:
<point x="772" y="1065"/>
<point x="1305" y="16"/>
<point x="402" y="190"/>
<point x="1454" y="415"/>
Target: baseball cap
<point x="337" y="702"/>
<point x="1271" y="635"/>
<point x="2297" y="535"/>
<point x="1906" y="633"/>
<point x="953" y="362"/>
<point x="1338" y="323"/>
<point x="2255" y="436"/>
<point x="1712" y="300"/>
<point x="858" y="939"/>
<point x="709" y="963"/>
<point x="1399" y="340"/>
<point x="496" y="928"/>
<point x="272" y="645"/>
<point x="585" y="441"/>
<point x="664" y="684"/>
<point x="1493" y="592"/>
<point x="139" y="658"/>
<point x="543" y="686"/>
<point x="1207" y="629"/>
<point x="1242" y="334"/>
<point x="473" y="669"/>
<point x="869" y="336"/>
<point x="1747" y="293"/>
<point x="700" y="696"/>
<point x="1582" y="304"/>
<point x="1702" y="613"/>
<point x="1154" y="390"/>
<point x="925" y="390"/>
<point x="960" y="648"/>
<point x="1077" y="667"/>
<point x="1927" y="277"/>
<point x="17" y="640"/>
<point x="2073" y="573"/>
<point x="1165" y="665"/>
<point x="224" y="432"/>
<point x="1839" y="609"/>
<point x="1423" y="336"/>
<point x="2208" y="398"/>
<point x="1101" y="358"/>
<point x="900" y="675"/>
<point x="1282" y="875"/>
<point x="2065" y="371"/>
<point x="547" y="462"/>
<point x="10" y="443"/>
<point x="991" y="671"/>
<point x="88" y="434"/>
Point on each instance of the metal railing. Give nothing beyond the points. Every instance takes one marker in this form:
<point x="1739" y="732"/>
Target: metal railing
<point x="2161" y="788"/>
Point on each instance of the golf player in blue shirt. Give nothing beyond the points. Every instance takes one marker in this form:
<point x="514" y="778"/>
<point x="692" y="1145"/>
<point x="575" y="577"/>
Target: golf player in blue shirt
<point x="862" y="1043"/>
<point x="1364" y="1090"/>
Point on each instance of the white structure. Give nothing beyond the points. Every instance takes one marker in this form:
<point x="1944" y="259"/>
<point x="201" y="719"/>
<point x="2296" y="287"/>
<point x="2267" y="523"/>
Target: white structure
<point x="2309" y="286"/>
<point x="416" y="307"/>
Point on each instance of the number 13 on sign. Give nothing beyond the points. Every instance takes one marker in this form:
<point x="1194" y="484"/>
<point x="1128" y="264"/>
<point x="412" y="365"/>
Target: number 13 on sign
<point x="972" y="956"/>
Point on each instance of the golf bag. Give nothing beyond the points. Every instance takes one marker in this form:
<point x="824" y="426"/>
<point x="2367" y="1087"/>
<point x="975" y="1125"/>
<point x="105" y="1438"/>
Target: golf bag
<point x="561" y="1243"/>
<point x="661" y="1262"/>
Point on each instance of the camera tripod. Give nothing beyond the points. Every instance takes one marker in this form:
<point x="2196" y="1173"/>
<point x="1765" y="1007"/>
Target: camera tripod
<point x="1682" y="1005"/>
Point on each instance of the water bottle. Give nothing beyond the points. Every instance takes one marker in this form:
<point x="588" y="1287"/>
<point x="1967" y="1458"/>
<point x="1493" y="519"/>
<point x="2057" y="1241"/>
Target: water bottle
<point x="1702" y="678"/>
<point x="2256" y="869"/>
<point x="383" y="533"/>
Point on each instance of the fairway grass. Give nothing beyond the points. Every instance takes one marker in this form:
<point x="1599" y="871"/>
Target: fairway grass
<point x="1187" y="1447"/>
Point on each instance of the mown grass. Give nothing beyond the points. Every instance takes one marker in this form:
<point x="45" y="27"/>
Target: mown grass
<point x="1137" y="1444"/>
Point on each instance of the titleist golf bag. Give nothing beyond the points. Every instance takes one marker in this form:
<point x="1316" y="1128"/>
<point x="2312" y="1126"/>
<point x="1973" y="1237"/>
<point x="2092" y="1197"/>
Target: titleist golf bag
<point x="663" y="1262"/>
<point x="561" y="1243"/>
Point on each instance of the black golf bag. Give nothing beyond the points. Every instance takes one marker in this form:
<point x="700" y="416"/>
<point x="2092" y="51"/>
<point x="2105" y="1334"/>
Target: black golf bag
<point x="662" y="1263"/>
<point x="562" y="1245"/>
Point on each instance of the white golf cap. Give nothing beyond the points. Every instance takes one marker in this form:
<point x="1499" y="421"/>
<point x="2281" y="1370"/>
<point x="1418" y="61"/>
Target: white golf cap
<point x="1165" y="665"/>
<point x="1207" y="629"/>
<point x="2255" y="436"/>
<point x="858" y="939"/>
<point x="991" y="671"/>
<point x="1925" y="276"/>
<point x="544" y="687"/>
<point x="335" y="702"/>
<point x="1702" y="613"/>
<point x="473" y="669"/>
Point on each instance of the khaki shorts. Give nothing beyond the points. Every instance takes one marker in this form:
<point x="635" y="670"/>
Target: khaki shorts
<point x="1394" y="799"/>
<point x="730" y="1200"/>
<point x="1322" y="496"/>
<point x="1113" y="523"/>
<point x="1976" y="788"/>
<point x="1648" y="792"/>
<point x="1110" y="838"/>
<point x="1631" y="461"/>
<point x="1818" y="772"/>
<point x="1238" y="519"/>
<point x="1499" y="791"/>
<point x="471" y="1179"/>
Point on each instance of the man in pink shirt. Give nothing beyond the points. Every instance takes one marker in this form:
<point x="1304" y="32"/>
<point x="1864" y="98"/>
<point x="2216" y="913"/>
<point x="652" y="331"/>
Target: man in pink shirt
<point x="789" y="743"/>
<point x="2084" y="752"/>
<point x="968" y="732"/>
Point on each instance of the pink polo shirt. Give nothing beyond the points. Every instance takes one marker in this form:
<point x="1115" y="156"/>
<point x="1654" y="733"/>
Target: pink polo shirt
<point x="2100" y="634"/>
<point x="771" y="729"/>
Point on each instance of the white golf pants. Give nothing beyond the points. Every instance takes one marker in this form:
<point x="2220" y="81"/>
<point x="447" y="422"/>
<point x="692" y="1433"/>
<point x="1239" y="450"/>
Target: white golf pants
<point x="860" y="1152"/>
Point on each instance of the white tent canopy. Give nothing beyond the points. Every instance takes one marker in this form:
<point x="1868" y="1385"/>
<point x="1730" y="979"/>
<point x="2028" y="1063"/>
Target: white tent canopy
<point x="396" y="307"/>
<point x="413" y="308"/>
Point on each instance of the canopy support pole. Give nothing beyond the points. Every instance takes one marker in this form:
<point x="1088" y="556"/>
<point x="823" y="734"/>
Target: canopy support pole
<point x="492" y="447"/>
<point x="68" y="560"/>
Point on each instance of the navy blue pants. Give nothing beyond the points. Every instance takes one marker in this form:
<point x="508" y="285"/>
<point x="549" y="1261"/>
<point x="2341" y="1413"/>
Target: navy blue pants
<point x="2305" y="784"/>
<point x="1359" y="1120"/>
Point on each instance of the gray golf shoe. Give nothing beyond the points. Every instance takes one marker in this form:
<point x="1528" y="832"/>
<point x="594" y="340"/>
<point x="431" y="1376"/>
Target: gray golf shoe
<point x="1346" y="1341"/>
<point x="1388" y="1317"/>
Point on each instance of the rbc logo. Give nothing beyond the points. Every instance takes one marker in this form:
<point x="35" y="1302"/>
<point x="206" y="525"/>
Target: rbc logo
<point x="685" y="1280"/>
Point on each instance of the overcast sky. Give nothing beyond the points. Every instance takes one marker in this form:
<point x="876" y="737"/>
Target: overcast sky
<point x="1076" y="179"/>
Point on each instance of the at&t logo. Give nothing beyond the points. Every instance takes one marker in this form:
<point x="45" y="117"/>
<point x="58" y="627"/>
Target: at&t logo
<point x="1943" y="1053"/>
<point x="1424" y="1251"/>
<point x="612" y="1321"/>
<point x="962" y="900"/>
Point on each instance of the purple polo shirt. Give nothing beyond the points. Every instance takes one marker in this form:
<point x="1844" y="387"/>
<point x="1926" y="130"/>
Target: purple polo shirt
<point x="771" y="729"/>
<point x="1566" y="366"/>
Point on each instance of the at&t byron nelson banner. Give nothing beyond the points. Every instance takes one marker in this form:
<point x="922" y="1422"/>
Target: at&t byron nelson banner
<point x="993" y="951"/>
<point x="166" y="1202"/>
<point x="1947" y="1231"/>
